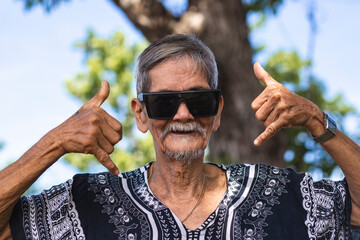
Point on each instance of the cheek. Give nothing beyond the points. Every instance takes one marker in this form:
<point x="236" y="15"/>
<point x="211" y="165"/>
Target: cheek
<point x="208" y="128"/>
<point x="155" y="127"/>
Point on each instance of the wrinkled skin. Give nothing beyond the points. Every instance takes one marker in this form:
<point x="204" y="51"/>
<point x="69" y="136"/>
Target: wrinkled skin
<point x="91" y="130"/>
<point x="278" y="107"/>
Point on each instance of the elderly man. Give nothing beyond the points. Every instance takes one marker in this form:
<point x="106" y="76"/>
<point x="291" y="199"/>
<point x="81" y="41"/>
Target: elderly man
<point x="179" y="196"/>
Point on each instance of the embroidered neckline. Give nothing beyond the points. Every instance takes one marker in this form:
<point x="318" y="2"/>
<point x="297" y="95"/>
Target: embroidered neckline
<point x="211" y="218"/>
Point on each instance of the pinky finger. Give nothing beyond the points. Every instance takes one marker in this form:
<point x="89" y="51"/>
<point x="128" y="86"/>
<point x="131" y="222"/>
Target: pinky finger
<point x="269" y="132"/>
<point x="106" y="161"/>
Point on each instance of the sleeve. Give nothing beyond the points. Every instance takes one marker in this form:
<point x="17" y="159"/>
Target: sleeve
<point x="328" y="208"/>
<point x="49" y="215"/>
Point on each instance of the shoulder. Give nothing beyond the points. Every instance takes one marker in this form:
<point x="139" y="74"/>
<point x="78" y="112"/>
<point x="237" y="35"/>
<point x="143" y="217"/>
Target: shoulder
<point x="103" y="177"/>
<point x="260" y="168"/>
<point x="135" y="173"/>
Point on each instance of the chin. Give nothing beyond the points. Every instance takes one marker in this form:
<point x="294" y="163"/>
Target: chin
<point x="185" y="155"/>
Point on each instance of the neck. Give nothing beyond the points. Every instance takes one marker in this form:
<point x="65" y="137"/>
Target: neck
<point x="177" y="178"/>
<point x="192" y="191"/>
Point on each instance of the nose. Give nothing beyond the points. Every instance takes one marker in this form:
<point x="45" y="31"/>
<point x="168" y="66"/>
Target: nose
<point x="183" y="113"/>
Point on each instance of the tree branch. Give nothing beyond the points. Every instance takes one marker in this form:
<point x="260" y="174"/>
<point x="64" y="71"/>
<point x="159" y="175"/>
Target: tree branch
<point x="193" y="3"/>
<point x="149" y="16"/>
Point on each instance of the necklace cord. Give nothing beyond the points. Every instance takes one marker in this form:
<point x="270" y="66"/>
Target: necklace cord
<point x="198" y="201"/>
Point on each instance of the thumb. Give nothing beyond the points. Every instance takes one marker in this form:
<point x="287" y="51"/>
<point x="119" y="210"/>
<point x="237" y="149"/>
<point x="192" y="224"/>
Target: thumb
<point x="100" y="96"/>
<point x="263" y="75"/>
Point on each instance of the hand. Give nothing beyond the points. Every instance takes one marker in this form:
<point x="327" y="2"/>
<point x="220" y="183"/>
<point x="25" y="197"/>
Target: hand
<point x="92" y="131"/>
<point x="278" y="107"/>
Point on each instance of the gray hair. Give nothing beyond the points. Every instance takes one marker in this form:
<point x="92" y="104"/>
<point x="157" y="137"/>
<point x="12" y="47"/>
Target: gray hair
<point x="175" y="46"/>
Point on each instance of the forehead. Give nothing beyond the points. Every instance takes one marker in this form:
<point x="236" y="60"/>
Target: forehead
<point x="177" y="75"/>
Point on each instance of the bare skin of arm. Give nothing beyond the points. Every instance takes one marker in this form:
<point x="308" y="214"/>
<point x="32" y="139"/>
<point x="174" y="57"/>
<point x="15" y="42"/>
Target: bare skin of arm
<point x="90" y="130"/>
<point x="278" y="107"/>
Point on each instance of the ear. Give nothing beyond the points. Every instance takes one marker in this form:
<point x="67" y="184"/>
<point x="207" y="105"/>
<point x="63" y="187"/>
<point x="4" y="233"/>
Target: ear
<point x="139" y="115"/>
<point x="218" y="115"/>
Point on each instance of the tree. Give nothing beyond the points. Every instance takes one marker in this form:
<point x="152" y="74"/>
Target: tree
<point x="222" y="25"/>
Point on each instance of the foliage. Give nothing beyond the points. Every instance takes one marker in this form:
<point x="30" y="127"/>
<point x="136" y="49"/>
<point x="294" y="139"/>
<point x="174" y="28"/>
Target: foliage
<point x="302" y="152"/>
<point x="112" y="60"/>
<point x="262" y="5"/>
<point x="176" y="7"/>
<point x="47" y="5"/>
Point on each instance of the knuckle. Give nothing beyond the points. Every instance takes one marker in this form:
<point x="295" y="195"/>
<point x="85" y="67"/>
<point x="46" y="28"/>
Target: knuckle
<point x="282" y="108"/>
<point x="117" y="138"/>
<point x="276" y="96"/>
<point x="94" y="119"/>
<point x="88" y="143"/>
<point x="259" y="116"/>
<point x="118" y="127"/>
<point x="103" y="157"/>
<point x="97" y="110"/>
<point x="271" y="130"/>
<point x="93" y="131"/>
<point x="96" y="113"/>
<point x="108" y="147"/>
<point x="111" y="149"/>
<point x="263" y="137"/>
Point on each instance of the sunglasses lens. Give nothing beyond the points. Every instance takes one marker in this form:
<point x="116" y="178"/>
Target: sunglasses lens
<point x="162" y="106"/>
<point x="203" y="104"/>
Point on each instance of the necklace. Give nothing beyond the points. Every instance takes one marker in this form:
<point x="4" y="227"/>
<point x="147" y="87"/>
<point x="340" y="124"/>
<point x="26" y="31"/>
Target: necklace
<point x="199" y="199"/>
<point x="151" y="170"/>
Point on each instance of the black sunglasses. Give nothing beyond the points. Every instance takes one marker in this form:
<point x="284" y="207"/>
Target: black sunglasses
<point x="164" y="105"/>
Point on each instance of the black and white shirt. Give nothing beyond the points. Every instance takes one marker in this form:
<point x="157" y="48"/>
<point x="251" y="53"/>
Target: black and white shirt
<point x="261" y="202"/>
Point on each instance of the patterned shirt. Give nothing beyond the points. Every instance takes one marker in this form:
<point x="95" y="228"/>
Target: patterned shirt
<point x="261" y="202"/>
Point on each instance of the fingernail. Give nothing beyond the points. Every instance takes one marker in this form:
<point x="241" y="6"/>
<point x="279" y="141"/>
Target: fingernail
<point x="256" y="142"/>
<point x="117" y="172"/>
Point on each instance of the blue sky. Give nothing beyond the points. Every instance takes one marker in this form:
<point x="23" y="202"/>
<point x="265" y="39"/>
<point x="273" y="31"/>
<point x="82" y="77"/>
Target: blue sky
<point x="37" y="54"/>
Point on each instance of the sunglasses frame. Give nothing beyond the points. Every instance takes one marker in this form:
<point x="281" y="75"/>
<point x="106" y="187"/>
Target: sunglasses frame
<point x="180" y="99"/>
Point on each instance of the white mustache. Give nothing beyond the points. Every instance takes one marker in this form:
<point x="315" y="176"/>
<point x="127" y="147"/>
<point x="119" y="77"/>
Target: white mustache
<point x="183" y="127"/>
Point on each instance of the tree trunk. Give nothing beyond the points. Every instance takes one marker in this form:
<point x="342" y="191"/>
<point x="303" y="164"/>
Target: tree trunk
<point x="222" y="26"/>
